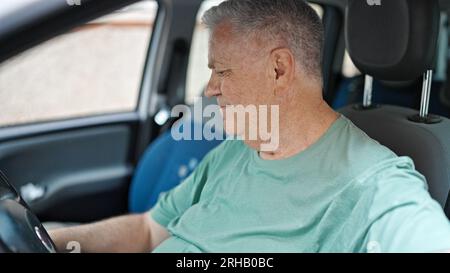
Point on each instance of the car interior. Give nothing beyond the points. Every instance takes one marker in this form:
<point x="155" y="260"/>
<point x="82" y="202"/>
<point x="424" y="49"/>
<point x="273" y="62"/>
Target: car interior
<point x="86" y="168"/>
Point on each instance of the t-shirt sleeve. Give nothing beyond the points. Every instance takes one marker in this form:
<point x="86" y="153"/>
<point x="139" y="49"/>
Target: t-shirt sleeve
<point x="175" y="202"/>
<point x="405" y="217"/>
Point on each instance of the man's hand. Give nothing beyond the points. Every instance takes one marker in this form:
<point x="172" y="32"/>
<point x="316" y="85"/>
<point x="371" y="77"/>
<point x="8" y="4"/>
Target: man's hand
<point x="131" y="233"/>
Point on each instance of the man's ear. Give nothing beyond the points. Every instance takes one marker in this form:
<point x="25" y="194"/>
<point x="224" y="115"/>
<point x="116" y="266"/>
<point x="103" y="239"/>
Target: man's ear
<point x="283" y="68"/>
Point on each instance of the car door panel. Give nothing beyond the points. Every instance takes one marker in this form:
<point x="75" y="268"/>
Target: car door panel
<point x="75" y="169"/>
<point x="79" y="169"/>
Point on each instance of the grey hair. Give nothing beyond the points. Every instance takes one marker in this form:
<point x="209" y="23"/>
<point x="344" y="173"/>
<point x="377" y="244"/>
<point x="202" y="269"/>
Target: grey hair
<point x="292" y="21"/>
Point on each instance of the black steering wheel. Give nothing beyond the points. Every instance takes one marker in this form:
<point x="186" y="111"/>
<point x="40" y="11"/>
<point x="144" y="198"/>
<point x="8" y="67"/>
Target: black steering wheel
<point x="20" y="230"/>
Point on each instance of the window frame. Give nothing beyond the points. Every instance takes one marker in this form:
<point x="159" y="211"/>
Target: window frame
<point x="137" y="116"/>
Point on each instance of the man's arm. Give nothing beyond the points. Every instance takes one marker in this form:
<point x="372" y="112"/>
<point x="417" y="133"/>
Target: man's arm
<point x="130" y="233"/>
<point x="140" y="232"/>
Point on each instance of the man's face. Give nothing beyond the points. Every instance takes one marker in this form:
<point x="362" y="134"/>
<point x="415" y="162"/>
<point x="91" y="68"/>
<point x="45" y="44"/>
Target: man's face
<point x="240" y="73"/>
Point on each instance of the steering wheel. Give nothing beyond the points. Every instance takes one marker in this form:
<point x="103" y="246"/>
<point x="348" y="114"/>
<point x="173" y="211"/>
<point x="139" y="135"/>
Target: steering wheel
<point x="20" y="230"/>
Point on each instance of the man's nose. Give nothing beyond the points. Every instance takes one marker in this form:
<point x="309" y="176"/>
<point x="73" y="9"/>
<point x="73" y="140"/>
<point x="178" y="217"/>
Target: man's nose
<point x="212" y="89"/>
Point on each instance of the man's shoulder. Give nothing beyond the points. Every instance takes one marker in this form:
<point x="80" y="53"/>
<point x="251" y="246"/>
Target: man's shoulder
<point x="357" y="151"/>
<point x="378" y="171"/>
<point x="394" y="182"/>
<point x="391" y="168"/>
<point x="361" y="142"/>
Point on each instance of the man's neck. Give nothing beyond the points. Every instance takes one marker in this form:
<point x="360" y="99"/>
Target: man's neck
<point x="300" y="129"/>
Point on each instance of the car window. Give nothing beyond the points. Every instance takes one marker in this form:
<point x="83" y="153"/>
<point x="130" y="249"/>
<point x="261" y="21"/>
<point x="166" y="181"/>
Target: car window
<point x="91" y="70"/>
<point x="198" y="73"/>
<point x="10" y="6"/>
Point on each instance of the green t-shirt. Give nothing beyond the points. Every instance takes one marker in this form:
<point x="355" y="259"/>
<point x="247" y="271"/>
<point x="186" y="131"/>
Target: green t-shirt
<point x="344" y="193"/>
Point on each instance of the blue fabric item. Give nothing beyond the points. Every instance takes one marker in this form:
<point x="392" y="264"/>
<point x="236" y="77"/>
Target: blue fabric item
<point x="341" y="98"/>
<point x="164" y="165"/>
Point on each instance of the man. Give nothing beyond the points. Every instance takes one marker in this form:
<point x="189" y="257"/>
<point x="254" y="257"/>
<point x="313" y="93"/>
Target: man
<point x="326" y="187"/>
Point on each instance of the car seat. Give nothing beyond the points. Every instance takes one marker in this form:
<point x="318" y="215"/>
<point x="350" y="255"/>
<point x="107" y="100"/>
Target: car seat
<point x="400" y="47"/>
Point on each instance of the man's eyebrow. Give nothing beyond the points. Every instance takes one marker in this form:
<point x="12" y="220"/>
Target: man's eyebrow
<point x="211" y="63"/>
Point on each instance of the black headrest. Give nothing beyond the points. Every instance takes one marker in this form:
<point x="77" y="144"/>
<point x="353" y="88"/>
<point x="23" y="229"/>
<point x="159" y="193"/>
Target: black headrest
<point x="392" y="40"/>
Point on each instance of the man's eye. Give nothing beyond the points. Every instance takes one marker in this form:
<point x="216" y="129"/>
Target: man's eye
<point x="221" y="73"/>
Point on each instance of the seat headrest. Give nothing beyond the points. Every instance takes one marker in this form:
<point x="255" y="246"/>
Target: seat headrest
<point x="392" y="40"/>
